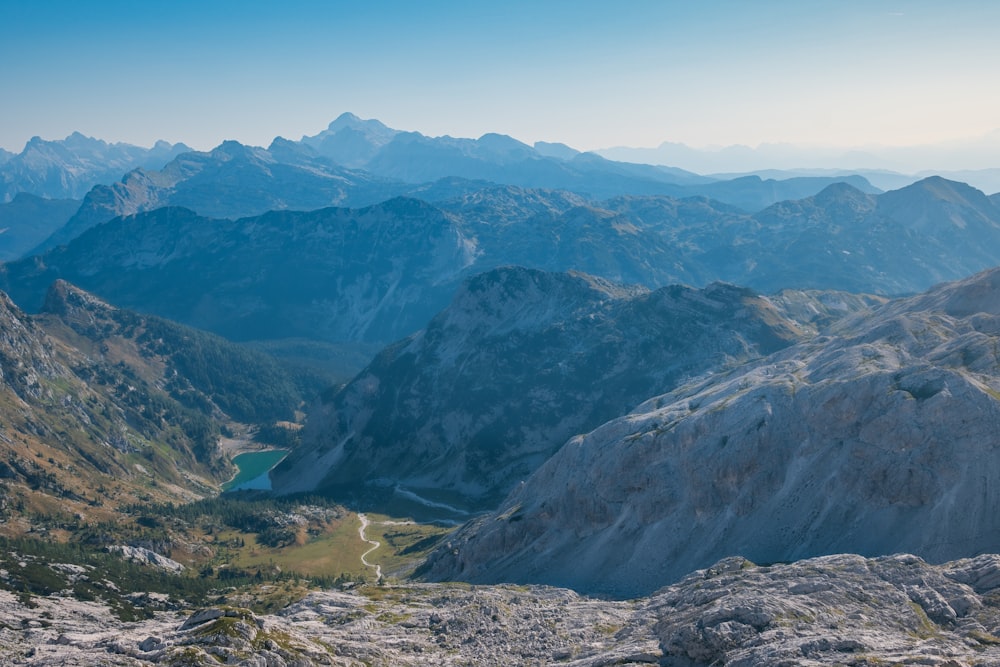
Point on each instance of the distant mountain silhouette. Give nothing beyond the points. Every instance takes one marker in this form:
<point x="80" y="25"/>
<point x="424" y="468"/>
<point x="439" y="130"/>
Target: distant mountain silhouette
<point x="68" y="168"/>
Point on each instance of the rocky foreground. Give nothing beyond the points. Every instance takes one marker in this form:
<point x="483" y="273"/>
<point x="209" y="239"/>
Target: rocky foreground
<point x="835" y="610"/>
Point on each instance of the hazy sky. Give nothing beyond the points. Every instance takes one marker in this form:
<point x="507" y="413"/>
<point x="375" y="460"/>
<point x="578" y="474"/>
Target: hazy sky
<point x="590" y="74"/>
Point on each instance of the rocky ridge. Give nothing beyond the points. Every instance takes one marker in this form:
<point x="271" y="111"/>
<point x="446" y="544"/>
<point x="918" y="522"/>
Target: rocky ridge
<point x="835" y="610"/>
<point x="374" y="274"/>
<point x="879" y="436"/>
<point x="413" y="157"/>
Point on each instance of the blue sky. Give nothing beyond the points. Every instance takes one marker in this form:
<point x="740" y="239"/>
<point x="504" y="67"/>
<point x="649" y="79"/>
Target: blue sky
<point x="590" y="74"/>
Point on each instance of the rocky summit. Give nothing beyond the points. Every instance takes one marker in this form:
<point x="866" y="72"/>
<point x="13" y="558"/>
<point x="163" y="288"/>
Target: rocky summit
<point x="876" y="438"/>
<point x="836" y="610"/>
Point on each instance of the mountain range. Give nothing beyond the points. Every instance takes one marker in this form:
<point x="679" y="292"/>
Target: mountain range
<point x="354" y="163"/>
<point x="415" y="158"/>
<point x="975" y="158"/>
<point x="379" y="273"/>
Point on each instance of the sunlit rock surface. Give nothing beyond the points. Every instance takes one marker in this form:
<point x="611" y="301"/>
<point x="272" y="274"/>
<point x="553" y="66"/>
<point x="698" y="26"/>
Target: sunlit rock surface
<point x="879" y="437"/>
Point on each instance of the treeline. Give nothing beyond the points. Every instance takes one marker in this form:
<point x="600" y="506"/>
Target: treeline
<point x="202" y="369"/>
<point x="37" y="567"/>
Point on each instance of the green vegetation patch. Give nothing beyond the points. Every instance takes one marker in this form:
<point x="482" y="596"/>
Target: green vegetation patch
<point x="403" y="544"/>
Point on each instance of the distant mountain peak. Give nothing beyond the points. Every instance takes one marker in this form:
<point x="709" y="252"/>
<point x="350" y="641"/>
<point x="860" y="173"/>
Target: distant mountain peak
<point x="231" y="149"/>
<point x="344" y="120"/>
<point x="934" y="191"/>
<point x="348" y="120"/>
<point x="837" y="192"/>
<point x="347" y="116"/>
<point x="351" y="141"/>
<point x="556" y="150"/>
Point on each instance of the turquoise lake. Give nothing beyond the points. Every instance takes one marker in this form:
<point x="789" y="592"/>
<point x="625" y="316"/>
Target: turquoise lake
<point x="254" y="467"/>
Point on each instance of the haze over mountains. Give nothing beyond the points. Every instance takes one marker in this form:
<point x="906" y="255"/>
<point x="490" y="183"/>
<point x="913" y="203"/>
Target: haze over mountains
<point x="629" y="371"/>
<point x="972" y="161"/>
<point x="379" y="273"/>
<point x="353" y="163"/>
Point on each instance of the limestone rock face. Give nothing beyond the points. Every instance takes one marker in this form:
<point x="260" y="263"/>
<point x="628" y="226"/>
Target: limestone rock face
<point x="836" y="610"/>
<point x="879" y="437"/>
<point x="520" y="361"/>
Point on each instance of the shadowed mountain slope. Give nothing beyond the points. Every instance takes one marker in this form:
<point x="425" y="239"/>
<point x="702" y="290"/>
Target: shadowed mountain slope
<point x="519" y="361"/>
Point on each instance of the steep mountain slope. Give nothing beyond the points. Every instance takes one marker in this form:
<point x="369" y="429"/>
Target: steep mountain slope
<point x="333" y="274"/>
<point x="518" y="362"/>
<point x="100" y="406"/>
<point x="28" y="220"/>
<point x="194" y="367"/>
<point x="80" y="432"/>
<point x="878" y="438"/>
<point x="68" y="168"/>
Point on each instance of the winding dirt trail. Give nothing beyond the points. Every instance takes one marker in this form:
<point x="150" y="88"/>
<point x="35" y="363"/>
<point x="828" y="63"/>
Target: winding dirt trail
<point x="375" y="543"/>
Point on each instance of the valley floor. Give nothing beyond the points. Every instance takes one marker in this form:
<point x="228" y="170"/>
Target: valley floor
<point x="835" y="610"/>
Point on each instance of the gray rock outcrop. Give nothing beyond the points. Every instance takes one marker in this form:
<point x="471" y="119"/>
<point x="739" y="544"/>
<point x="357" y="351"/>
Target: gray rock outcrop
<point x="145" y="556"/>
